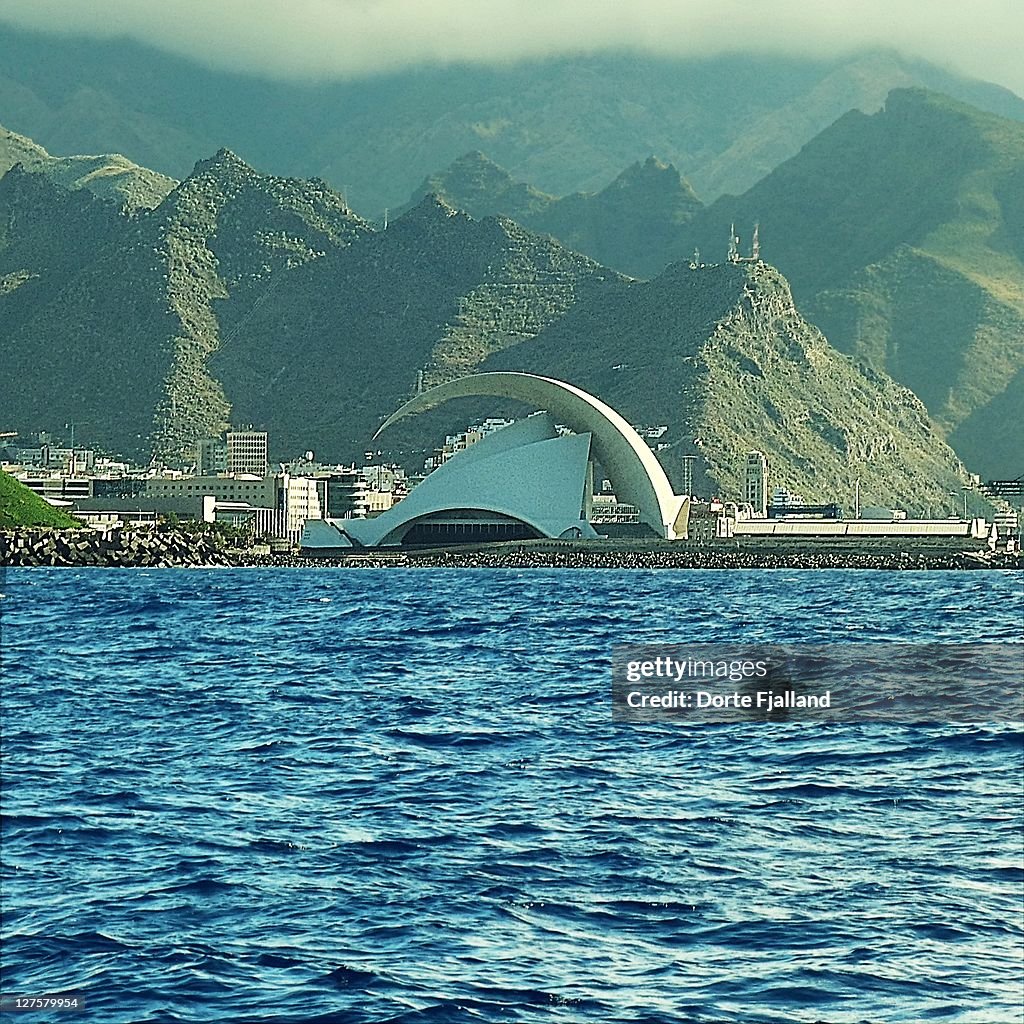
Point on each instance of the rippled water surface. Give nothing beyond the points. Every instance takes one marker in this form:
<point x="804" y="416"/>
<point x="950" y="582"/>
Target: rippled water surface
<point x="368" y="796"/>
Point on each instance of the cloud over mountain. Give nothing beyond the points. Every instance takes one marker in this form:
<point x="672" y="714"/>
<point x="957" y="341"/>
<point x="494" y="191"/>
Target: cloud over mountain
<point x="351" y="38"/>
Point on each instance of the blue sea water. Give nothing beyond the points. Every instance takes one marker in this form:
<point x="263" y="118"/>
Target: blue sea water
<point x="399" y="795"/>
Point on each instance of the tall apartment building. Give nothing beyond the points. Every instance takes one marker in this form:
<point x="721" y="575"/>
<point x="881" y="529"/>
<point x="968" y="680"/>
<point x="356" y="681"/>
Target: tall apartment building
<point x="247" y="452"/>
<point x="755" y="490"/>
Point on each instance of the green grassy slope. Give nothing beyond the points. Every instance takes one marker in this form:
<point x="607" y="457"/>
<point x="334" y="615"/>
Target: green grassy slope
<point x="238" y="300"/>
<point x="21" y="507"/>
<point x="342" y="343"/>
<point x="116" y="333"/>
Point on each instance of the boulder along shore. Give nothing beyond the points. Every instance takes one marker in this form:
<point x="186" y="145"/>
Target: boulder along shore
<point x="152" y="548"/>
<point x="682" y="559"/>
<point x="166" y="547"/>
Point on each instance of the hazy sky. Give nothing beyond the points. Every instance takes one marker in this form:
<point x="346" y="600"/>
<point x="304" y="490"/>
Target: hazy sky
<point x="345" y="38"/>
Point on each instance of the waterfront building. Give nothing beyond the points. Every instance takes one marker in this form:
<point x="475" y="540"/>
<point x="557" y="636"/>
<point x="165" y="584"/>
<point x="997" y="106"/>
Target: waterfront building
<point x="607" y="509"/>
<point x="301" y="501"/>
<point x="346" y="494"/>
<point x="74" y="461"/>
<point x="455" y="443"/>
<point x="60" y="487"/>
<point x="867" y="529"/>
<point x="386" y="486"/>
<point x="710" y="522"/>
<point x="791" y="510"/>
<point x="259" y="521"/>
<point x="247" y="452"/>
<point x="118" y="486"/>
<point x="783" y="499"/>
<point x="532" y="478"/>
<point x="688" y="461"/>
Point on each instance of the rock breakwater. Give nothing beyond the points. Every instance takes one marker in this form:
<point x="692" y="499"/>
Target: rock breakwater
<point x="165" y="547"/>
<point x="681" y="559"/>
<point x="159" y="547"/>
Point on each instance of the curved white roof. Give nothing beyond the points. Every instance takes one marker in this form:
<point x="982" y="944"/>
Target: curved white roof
<point x="636" y="474"/>
<point x="524" y="471"/>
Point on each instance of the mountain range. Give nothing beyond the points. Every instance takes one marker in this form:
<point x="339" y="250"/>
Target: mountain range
<point x="631" y="224"/>
<point x="153" y="311"/>
<point x="566" y="124"/>
<point x="900" y="233"/>
<point x="246" y="297"/>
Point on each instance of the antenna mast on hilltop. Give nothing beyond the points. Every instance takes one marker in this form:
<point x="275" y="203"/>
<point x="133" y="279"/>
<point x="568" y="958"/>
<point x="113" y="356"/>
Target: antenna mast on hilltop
<point x="755" y="244"/>
<point x="734" y="244"/>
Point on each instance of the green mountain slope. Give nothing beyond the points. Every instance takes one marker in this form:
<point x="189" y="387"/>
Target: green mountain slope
<point x="47" y="235"/>
<point x="119" y="338"/>
<point x="721" y="356"/>
<point x="631" y="224"/>
<point x="567" y="125"/>
<point x="900" y="235"/>
<point x="346" y="341"/>
<point x="110" y="176"/>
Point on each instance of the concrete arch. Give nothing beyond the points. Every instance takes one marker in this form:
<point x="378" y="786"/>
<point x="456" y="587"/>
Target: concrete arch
<point x="636" y="474"/>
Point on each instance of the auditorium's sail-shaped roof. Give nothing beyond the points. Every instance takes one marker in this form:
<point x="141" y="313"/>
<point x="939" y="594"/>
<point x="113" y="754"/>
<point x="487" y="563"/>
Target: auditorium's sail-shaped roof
<point x="634" y="470"/>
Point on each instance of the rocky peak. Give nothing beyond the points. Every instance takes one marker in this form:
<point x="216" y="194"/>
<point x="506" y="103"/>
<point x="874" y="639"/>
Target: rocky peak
<point x="482" y="188"/>
<point x="430" y="211"/>
<point x="477" y="163"/>
<point x="223" y="173"/>
<point x="110" y="176"/>
<point x="223" y="160"/>
<point x="17" y="149"/>
<point x="655" y="179"/>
